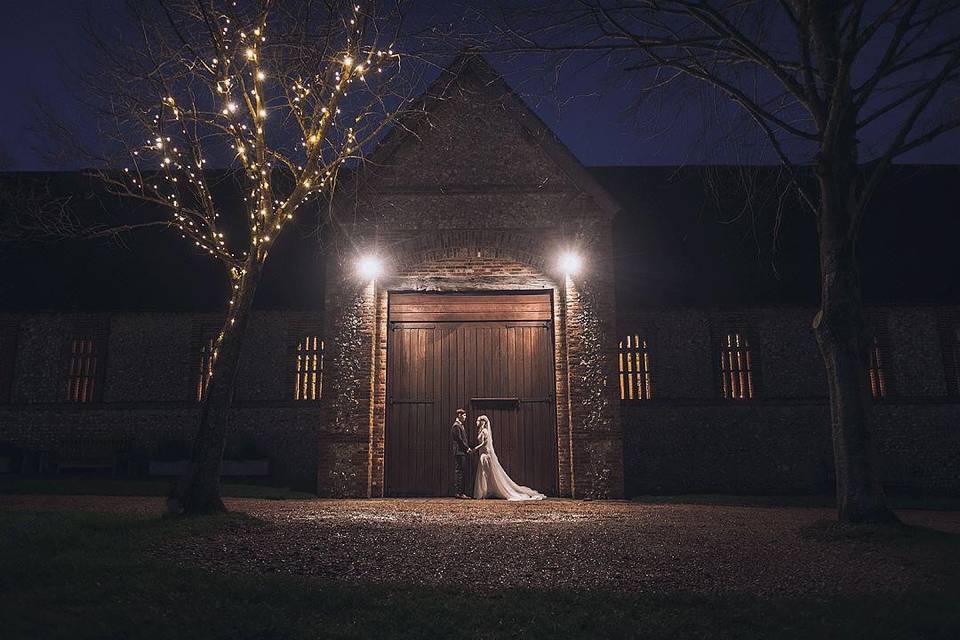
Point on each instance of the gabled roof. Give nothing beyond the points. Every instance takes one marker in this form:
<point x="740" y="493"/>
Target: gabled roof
<point x="699" y="236"/>
<point x="473" y="68"/>
<point x="672" y="246"/>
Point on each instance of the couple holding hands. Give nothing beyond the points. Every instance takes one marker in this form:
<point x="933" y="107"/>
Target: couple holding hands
<point x="491" y="480"/>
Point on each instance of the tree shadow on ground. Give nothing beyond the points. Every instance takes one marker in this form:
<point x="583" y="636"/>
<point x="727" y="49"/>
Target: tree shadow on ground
<point x="92" y="576"/>
<point x="894" y="534"/>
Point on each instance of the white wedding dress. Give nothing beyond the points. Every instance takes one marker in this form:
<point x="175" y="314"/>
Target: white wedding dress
<point x="492" y="481"/>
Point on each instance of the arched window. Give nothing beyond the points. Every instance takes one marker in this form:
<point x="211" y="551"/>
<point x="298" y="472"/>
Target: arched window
<point x="636" y="379"/>
<point x="736" y="367"/>
<point x="308" y="368"/>
<point x="955" y="353"/>
<point x="8" y="357"/>
<point x="205" y="369"/>
<point x="877" y="371"/>
<point x="85" y="366"/>
<point x="950" y="351"/>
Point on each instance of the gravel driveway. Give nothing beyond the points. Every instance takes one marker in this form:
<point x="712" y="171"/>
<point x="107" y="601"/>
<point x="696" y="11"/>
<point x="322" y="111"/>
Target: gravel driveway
<point x="563" y="544"/>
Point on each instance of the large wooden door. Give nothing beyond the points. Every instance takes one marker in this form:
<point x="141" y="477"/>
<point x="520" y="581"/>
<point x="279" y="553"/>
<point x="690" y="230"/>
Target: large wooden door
<point x="488" y="353"/>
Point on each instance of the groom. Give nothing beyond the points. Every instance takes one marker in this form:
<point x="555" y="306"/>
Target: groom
<point x="461" y="449"/>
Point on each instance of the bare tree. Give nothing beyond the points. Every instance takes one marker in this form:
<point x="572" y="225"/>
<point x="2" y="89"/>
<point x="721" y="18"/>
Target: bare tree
<point x="280" y="93"/>
<point x="816" y="79"/>
<point x="31" y="212"/>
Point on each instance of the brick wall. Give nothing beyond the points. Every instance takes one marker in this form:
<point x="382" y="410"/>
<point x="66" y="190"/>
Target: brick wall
<point x="588" y="439"/>
<point x="687" y="439"/>
<point x="481" y="198"/>
<point x="684" y="440"/>
<point x="149" y="388"/>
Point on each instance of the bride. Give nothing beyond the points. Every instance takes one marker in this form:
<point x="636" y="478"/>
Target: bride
<point x="492" y="481"/>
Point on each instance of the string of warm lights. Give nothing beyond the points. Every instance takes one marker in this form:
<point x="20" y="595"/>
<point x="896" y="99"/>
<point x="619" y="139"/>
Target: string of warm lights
<point x="254" y="92"/>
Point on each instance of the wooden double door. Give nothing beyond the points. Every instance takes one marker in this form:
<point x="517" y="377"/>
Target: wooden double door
<point x="487" y="353"/>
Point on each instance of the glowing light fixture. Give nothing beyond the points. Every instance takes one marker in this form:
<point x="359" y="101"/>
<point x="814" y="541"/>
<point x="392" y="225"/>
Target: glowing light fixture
<point x="369" y="266"/>
<point x="570" y="262"/>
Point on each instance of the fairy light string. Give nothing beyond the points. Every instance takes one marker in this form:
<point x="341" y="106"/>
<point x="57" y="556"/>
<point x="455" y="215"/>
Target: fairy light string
<point x="254" y="93"/>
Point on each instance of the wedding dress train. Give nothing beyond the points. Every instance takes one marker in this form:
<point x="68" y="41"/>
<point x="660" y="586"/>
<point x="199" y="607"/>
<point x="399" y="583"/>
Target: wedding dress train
<point x="492" y="481"/>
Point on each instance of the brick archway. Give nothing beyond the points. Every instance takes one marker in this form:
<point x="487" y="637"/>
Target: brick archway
<point x="476" y="264"/>
<point x="353" y="436"/>
<point x="489" y="352"/>
<point x="523" y="250"/>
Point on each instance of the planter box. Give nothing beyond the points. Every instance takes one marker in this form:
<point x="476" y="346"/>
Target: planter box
<point x="246" y="468"/>
<point x="230" y="467"/>
<point x="166" y="467"/>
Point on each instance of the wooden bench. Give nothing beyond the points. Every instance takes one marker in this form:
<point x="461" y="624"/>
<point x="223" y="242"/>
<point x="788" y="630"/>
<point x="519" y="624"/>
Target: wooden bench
<point x="89" y="453"/>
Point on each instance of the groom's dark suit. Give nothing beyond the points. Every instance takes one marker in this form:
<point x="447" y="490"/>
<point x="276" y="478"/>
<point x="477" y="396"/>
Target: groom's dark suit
<point x="461" y="448"/>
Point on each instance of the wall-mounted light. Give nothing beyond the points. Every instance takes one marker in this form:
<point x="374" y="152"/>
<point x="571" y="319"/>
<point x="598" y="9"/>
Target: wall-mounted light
<point x="369" y="266"/>
<point x="570" y="263"/>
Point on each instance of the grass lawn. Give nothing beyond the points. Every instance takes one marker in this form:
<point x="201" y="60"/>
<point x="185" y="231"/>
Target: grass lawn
<point x="95" y="485"/>
<point x="102" y="485"/>
<point x="894" y="499"/>
<point x="73" y="575"/>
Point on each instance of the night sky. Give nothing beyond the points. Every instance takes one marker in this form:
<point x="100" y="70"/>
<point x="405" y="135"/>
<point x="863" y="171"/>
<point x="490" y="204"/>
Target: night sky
<point x="41" y="40"/>
<point x="681" y="250"/>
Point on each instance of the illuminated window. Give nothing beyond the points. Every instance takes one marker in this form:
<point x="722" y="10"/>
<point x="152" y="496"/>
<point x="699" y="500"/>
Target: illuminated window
<point x="877" y="371"/>
<point x="635" y="375"/>
<point x="205" y="367"/>
<point x="308" y="379"/>
<point x="84" y="368"/>
<point x="8" y="357"/>
<point x="955" y="353"/>
<point x="736" y="367"/>
<point x="950" y="352"/>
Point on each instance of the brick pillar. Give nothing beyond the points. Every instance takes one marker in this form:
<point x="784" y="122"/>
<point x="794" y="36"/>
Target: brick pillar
<point x="596" y="433"/>
<point x="344" y="440"/>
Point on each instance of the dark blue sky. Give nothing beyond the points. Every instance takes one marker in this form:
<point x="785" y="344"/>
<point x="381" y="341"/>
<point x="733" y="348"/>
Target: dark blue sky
<point x="41" y="39"/>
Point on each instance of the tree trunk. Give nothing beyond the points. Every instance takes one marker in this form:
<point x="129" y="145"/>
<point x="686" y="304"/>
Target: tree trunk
<point x="198" y="491"/>
<point x="845" y="344"/>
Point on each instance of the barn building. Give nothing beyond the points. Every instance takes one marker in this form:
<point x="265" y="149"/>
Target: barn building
<point x="621" y="340"/>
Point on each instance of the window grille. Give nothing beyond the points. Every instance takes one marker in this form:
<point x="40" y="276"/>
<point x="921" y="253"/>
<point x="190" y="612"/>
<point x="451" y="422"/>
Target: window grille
<point x="636" y="376"/>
